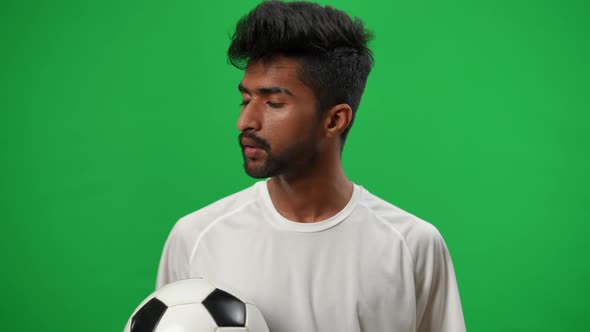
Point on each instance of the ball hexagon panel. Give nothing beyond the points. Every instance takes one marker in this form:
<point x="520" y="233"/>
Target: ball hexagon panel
<point x="226" y="309"/>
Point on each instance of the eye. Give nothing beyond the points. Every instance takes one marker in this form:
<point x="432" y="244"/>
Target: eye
<point x="244" y="103"/>
<point x="275" y="105"/>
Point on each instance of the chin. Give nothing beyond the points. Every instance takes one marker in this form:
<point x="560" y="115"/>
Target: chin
<point x="265" y="167"/>
<point x="257" y="172"/>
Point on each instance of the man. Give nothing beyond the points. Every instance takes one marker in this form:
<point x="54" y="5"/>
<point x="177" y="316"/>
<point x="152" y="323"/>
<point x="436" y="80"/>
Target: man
<point x="311" y="249"/>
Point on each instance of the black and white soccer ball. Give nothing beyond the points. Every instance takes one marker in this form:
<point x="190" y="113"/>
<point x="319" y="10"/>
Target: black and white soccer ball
<point x="195" y="305"/>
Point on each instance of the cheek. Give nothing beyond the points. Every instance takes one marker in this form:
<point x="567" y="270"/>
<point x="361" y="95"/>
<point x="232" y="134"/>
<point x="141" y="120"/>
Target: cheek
<point x="288" y="126"/>
<point x="279" y="132"/>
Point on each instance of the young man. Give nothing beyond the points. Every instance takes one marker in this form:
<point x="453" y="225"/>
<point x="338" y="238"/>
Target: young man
<point x="314" y="251"/>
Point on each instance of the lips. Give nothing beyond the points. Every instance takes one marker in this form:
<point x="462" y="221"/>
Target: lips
<point x="250" y="143"/>
<point x="251" y="152"/>
<point x="252" y="148"/>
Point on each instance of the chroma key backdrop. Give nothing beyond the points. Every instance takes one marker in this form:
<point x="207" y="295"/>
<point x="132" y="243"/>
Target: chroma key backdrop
<point x="118" y="117"/>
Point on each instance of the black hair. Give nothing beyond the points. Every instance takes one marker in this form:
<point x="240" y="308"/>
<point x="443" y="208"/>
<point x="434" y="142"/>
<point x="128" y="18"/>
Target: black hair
<point x="331" y="46"/>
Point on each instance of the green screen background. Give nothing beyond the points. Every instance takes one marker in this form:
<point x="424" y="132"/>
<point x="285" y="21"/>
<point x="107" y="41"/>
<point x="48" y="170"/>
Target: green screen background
<point x="118" y="118"/>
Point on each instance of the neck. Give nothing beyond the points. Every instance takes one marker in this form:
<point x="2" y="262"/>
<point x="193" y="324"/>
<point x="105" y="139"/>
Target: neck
<point x="315" y="196"/>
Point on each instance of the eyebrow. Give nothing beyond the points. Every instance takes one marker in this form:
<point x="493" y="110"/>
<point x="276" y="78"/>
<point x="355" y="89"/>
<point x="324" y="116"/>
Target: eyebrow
<point x="266" y="90"/>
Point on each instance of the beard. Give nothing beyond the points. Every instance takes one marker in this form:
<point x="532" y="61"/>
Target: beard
<point x="294" y="160"/>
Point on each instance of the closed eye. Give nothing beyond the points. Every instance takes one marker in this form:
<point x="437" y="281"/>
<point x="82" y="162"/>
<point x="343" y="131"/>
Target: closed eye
<point x="275" y="105"/>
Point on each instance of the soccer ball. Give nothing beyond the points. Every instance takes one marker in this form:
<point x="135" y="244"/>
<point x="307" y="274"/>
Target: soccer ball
<point x="195" y="305"/>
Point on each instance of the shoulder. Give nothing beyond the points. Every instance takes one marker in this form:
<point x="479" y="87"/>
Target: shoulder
<point x="185" y="234"/>
<point x="420" y="236"/>
<point x="200" y="219"/>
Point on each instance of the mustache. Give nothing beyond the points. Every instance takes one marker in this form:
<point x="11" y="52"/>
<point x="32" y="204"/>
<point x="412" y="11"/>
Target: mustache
<point x="264" y="144"/>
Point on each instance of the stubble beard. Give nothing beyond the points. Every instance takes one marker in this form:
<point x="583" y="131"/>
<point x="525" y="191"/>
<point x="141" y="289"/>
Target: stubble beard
<point x="298" y="159"/>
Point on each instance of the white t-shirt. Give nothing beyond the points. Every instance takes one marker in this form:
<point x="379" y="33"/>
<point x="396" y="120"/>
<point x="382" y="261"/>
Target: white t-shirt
<point x="372" y="267"/>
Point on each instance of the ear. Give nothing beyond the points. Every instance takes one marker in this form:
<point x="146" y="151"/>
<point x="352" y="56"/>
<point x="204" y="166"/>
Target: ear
<point x="337" y="119"/>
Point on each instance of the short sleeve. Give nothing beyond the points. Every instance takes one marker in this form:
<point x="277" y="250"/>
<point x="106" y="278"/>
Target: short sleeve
<point x="174" y="260"/>
<point x="438" y="305"/>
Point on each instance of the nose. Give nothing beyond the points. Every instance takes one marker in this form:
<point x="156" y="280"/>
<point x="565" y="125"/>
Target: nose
<point x="250" y="117"/>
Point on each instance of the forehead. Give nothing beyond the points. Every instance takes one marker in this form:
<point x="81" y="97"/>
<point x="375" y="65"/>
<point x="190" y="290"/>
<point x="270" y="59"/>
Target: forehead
<point x="277" y="71"/>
